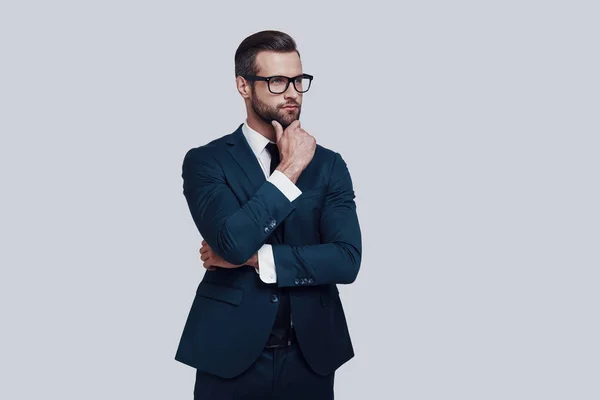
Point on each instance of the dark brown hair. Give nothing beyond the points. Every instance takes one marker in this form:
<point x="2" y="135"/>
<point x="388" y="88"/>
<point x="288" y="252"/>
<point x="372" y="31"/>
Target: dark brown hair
<point x="245" y="55"/>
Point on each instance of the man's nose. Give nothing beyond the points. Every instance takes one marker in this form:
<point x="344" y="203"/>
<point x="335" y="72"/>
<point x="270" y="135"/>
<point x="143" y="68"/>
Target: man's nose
<point x="290" y="92"/>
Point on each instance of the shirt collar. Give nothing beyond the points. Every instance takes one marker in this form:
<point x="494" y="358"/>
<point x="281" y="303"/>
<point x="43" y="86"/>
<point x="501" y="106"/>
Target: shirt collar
<point x="256" y="141"/>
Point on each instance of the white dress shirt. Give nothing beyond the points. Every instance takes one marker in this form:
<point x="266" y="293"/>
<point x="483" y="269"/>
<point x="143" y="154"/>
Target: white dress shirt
<point x="258" y="143"/>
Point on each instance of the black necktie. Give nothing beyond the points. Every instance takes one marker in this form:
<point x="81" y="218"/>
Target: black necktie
<point x="274" y="151"/>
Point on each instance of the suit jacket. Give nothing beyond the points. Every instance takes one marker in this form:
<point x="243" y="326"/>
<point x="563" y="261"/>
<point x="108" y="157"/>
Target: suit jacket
<point x="236" y="210"/>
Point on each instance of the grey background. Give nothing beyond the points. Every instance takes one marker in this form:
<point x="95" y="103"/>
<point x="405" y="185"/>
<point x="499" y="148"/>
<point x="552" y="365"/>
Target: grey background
<point x="471" y="133"/>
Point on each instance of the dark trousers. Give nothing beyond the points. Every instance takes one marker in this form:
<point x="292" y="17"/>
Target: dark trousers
<point x="279" y="373"/>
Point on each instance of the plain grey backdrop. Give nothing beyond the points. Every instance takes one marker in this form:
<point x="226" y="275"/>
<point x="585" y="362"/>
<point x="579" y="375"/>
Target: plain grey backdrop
<point x="471" y="133"/>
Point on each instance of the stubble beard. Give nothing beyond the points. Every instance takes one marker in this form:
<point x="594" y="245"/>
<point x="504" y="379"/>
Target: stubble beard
<point x="267" y="113"/>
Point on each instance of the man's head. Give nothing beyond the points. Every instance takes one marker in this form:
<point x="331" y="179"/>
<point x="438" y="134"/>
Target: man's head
<point x="266" y="54"/>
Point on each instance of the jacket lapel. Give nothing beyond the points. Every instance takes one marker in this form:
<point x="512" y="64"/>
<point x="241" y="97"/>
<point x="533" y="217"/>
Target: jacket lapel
<point x="242" y="154"/>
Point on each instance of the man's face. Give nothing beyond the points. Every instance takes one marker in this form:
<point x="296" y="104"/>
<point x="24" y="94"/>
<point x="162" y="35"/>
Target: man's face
<point x="269" y="106"/>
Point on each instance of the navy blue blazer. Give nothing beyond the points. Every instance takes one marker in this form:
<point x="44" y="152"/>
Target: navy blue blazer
<point x="236" y="210"/>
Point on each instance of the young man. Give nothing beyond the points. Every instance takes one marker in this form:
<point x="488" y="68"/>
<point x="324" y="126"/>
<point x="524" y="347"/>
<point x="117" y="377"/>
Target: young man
<point x="278" y="218"/>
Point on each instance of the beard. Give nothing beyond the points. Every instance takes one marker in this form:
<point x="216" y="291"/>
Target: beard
<point x="268" y="113"/>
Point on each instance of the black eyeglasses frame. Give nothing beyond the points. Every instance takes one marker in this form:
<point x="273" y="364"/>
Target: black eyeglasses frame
<point x="292" y="79"/>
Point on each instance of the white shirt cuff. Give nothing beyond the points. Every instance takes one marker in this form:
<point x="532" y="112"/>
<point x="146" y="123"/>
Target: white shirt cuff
<point x="285" y="185"/>
<point x="266" y="264"/>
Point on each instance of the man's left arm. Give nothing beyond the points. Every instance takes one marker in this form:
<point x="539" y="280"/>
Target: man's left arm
<point x="337" y="259"/>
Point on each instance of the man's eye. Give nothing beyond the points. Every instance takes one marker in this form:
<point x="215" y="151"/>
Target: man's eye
<point x="276" y="80"/>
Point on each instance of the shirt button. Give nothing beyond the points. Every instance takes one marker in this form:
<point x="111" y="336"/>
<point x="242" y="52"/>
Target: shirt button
<point x="274" y="298"/>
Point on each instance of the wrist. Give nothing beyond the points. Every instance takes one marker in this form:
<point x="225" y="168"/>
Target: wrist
<point x="253" y="261"/>
<point x="292" y="171"/>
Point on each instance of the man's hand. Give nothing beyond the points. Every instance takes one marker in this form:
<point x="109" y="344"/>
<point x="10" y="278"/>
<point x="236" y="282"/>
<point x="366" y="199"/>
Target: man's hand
<point x="296" y="149"/>
<point x="212" y="260"/>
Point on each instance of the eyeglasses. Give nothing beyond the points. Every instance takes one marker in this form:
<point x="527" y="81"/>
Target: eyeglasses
<point x="278" y="84"/>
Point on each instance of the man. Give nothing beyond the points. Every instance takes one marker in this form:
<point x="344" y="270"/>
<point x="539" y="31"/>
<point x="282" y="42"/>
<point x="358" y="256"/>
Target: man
<point x="280" y="230"/>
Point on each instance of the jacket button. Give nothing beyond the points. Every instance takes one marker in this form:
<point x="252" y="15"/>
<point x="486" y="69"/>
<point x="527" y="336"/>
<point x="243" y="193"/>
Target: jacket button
<point x="274" y="298"/>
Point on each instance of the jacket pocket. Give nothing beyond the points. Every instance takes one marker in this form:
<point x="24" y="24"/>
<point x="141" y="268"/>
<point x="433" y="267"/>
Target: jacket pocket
<point x="222" y="293"/>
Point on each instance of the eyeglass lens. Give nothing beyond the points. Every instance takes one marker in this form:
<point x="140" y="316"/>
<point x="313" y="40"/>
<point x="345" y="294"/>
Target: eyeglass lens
<point x="277" y="84"/>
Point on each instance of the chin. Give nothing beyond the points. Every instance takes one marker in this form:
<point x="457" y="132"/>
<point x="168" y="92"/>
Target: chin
<point x="290" y="117"/>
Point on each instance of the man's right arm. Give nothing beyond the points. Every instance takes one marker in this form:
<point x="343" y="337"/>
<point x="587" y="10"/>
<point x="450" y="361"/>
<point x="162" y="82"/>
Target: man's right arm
<point x="233" y="231"/>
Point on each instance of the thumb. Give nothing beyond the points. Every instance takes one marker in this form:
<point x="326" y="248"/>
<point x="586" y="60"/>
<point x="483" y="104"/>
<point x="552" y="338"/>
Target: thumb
<point x="278" y="129"/>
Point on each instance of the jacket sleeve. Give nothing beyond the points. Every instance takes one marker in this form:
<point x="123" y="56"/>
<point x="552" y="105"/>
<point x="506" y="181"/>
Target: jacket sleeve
<point x="337" y="259"/>
<point x="232" y="230"/>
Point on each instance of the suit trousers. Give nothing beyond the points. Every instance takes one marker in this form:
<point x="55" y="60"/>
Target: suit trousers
<point x="280" y="373"/>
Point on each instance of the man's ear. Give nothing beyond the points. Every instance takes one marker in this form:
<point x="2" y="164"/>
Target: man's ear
<point x="243" y="87"/>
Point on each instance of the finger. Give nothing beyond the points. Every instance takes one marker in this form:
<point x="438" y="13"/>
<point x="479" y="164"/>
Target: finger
<point x="204" y="257"/>
<point x="278" y="129"/>
<point x="204" y="249"/>
<point x="210" y="267"/>
<point x="203" y="242"/>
